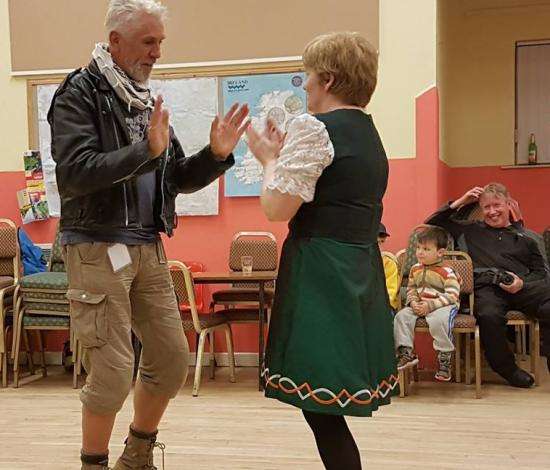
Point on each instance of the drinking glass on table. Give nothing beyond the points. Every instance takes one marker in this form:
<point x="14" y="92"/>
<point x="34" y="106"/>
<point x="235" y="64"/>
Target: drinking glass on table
<point x="246" y="264"/>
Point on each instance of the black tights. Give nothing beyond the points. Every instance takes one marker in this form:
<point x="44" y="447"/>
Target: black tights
<point x="334" y="440"/>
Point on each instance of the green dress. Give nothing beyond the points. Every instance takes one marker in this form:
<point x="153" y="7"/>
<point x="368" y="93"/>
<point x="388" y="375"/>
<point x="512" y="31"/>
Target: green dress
<point x="330" y="346"/>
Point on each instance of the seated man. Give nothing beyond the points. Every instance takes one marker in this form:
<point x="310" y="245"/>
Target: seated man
<point x="509" y="274"/>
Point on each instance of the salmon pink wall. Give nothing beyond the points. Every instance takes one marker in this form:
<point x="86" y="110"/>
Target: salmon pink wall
<point x="10" y="182"/>
<point x="429" y="174"/>
<point x="529" y="186"/>
<point x="417" y="186"/>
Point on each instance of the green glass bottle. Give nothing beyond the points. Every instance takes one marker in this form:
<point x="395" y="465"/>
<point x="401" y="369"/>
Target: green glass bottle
<point x="532" y="155"/>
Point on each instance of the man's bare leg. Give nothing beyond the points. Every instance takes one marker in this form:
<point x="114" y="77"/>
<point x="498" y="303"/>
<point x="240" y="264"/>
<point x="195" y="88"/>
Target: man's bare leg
<point x="96" y="433"/>
<point x="148" y="409"/>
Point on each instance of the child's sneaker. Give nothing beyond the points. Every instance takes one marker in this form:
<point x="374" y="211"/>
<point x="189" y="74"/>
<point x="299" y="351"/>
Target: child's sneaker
<point x="444" y="371"/>
<point x="406" y="356"/>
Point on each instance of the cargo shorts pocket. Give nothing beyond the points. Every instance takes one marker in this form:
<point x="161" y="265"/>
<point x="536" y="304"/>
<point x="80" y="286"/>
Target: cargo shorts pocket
<point x="89" y="317"/>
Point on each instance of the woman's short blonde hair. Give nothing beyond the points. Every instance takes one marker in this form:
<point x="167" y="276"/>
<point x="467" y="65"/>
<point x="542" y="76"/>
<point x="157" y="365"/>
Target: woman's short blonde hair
<point x="350" y="60"/>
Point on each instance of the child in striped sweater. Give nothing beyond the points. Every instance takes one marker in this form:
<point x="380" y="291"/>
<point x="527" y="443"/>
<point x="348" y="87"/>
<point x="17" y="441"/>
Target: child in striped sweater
<point x="433" y="292"/>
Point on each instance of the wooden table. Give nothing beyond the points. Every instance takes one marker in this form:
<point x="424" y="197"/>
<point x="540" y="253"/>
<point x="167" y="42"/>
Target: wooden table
<point x="230" y="277"/>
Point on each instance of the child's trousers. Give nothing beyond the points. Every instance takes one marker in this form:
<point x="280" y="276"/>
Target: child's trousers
<point x="440" y="322"/>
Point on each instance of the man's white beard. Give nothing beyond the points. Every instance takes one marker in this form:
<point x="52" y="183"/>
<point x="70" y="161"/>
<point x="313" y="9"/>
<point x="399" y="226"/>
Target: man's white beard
<point x="139" y="75"/>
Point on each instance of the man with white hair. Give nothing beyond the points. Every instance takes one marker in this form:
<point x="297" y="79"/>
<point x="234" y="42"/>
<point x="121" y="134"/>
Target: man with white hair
<point x="119" y="169"/>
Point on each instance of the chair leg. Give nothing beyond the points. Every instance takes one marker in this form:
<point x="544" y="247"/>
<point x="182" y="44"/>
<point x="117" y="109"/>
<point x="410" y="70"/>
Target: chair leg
<point x="468" y="363"/>
<point x="477" y="362"/>
<point x="42" y="353"/>
<point x="71" y="341"/>
<point x="523" y="343"/>
<point x="6" y="353"/>
<point x="458" y="357"/>
<point x="198" y="365"/>
<point x="75" y="373"/>
<point x="403" y="385"/>
<point x="405" y="377"/>
<point x="415" y="377"/>
<point x="3" y="349"/>
<point x="456" y="341"/>
<point x="535" y="350"/>
<point x="15" y="351"/>
<point x="230" y="353"/>
<point x="28" y="349"/>
<point x="212" y="363"/>
<point x="7" y="332"/>
<point x="75" y="360"/>
<point x="4" y="366"/>
<point x="17" y="314"/>
<point x="79" y="359"/>
<point x="517" y="330"/>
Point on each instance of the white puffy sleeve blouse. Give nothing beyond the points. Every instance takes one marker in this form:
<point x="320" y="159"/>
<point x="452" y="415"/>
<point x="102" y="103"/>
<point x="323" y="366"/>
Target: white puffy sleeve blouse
<point x="306" y="153"/>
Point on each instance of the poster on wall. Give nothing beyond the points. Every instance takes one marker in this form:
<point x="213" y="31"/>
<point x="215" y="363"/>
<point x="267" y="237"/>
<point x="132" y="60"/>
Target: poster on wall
<point x="279" y="96"/>
<point x="32" y="201"/>
<point x="32" y="204"/>
<point x="192" y="104"/>
<point x="44" y="98"/>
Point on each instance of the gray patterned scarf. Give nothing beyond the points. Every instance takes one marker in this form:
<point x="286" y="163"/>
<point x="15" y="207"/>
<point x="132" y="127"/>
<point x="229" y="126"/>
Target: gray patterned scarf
<point x="136" y="95"/>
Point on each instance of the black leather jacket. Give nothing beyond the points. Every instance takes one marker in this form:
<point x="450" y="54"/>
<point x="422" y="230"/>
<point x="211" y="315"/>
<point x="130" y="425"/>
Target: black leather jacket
<point x="97" y="163"/>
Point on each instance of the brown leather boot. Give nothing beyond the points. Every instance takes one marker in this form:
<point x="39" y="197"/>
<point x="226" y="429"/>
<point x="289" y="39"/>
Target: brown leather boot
<point x="94" y="462"/>
<point x="138" y="453"/>
<point x="89" y="466"/>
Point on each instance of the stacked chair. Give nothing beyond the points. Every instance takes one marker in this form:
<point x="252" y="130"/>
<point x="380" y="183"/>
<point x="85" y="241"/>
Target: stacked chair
<point x="42" y="305"/>
<point x="10" y="271"/>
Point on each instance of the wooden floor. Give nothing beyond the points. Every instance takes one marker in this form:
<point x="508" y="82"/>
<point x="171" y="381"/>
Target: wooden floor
<point x="231" y="426"/>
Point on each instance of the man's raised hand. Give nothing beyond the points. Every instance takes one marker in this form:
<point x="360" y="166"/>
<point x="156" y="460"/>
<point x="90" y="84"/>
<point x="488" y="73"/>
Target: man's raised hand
<point x="158" y="133"/>
<point x="226" y="132"/>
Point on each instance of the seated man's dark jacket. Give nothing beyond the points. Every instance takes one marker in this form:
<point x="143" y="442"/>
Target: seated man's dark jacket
<point x="96" y="164"/>
<point x="508" y="248"/>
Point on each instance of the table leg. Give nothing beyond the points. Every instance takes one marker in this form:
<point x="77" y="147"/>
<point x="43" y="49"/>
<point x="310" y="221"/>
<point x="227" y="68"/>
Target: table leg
<point x="261" y="311"/>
